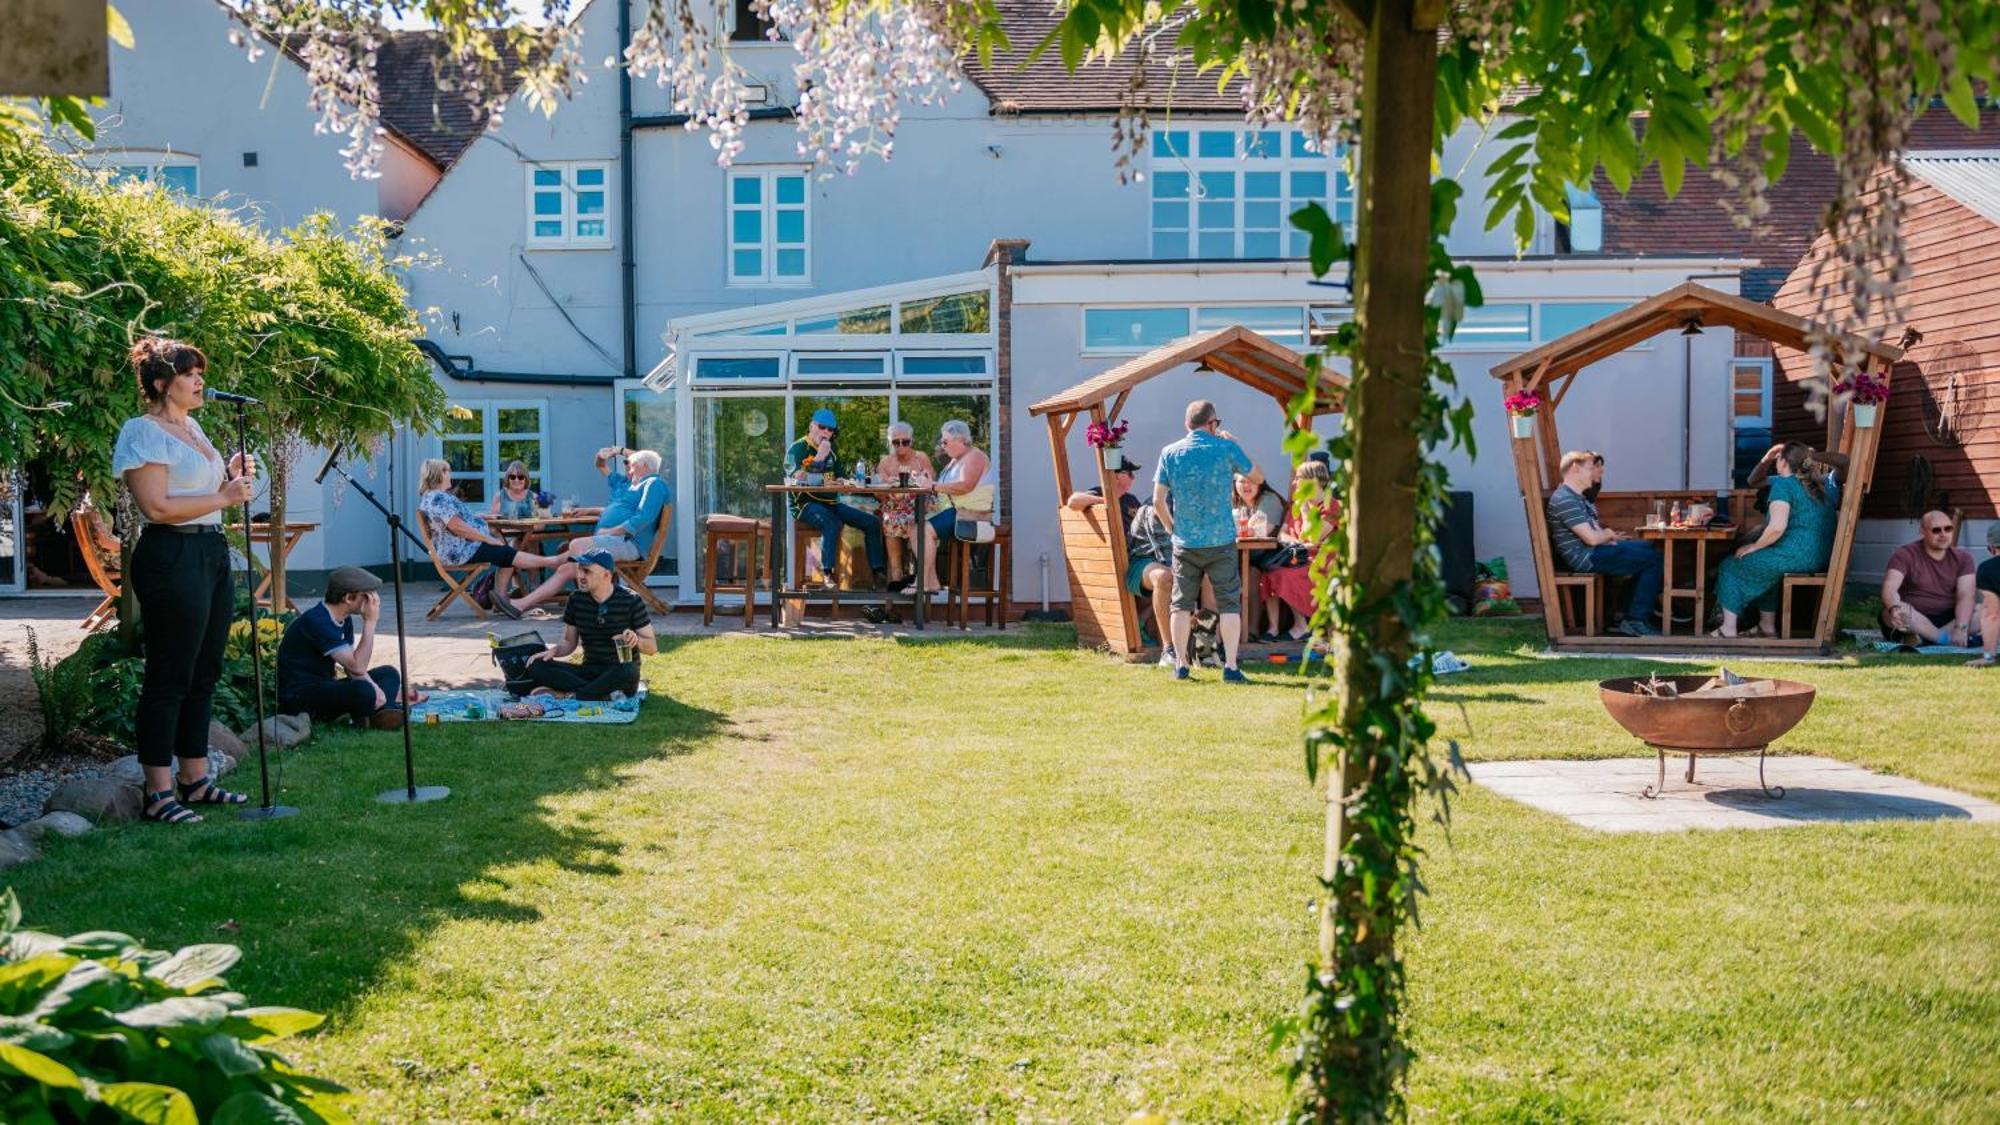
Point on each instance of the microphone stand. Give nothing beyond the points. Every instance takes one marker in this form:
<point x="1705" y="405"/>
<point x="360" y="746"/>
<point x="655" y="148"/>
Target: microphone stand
<point x="265" y="810"/>
<point x="411" y="793"/>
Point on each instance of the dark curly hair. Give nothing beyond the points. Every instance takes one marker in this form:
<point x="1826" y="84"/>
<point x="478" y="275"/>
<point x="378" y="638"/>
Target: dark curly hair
<point x="157" y="361"/>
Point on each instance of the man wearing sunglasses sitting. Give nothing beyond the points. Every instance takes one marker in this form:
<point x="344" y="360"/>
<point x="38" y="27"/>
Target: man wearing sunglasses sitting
<point x="613" y="628"/>
<point x="1928" y="588"/>
<point x="641" y="502"/>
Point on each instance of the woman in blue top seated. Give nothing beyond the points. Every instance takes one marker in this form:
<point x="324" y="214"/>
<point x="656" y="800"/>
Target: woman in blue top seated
<point x="1797" y="539"/>
<point x="460" y="536"/>
<point x="517" y="499"/>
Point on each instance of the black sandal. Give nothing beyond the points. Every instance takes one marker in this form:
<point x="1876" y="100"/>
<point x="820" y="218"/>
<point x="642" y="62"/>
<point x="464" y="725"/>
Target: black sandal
<point x="162" y="807"/>
<point x="210" y="794"/>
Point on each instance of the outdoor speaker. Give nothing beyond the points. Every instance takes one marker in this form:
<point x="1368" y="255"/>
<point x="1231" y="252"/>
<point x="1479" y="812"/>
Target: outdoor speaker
<point x="1455" y="544"/>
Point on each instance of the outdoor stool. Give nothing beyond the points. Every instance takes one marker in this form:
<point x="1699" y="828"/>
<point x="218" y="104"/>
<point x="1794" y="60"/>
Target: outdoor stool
<point x="1795" y="582"/>
<point x="997" y="575"/>
<point x="751" y="544"/>
<point x="1590" y="615"/>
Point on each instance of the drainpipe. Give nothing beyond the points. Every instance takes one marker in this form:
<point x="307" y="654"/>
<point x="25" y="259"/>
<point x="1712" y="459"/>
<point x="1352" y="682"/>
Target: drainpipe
<point x="625" y="223"/>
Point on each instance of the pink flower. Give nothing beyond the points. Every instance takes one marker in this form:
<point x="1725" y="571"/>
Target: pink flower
<point x="1524" y="403"/>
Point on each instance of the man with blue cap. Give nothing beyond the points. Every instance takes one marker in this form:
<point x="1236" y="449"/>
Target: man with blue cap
<point x="612" y="627"/>
<point x="823" y="511"/>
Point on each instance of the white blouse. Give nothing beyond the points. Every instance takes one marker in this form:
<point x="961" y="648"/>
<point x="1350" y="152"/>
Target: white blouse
<point x="143" y="441"/>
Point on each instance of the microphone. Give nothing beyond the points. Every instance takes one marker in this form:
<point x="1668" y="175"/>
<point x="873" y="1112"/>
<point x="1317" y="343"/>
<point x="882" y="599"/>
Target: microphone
<point x="230" y="396"/>
<point x="332" y="456"/>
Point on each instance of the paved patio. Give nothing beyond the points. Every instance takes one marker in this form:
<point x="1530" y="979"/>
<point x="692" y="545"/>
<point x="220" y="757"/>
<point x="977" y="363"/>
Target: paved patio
<point x="1606" y="794"/>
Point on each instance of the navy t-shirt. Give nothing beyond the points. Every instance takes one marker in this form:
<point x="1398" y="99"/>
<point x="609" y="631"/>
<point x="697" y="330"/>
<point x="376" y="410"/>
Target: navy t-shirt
<point x="306" y="653"/>
<point x="1987" y="577"/>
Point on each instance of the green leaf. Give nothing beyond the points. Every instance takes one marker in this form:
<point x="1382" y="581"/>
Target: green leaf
<point x="1328" y="245"/>
<point x="253" y="1108"/>
<point x="115" y="25"/>
<point x="230" y="1055"/>
<point x="38" y="1067"/>
<point x="83" y="979"/>
<point x="10" y="911"/>
<point x="33" y="1034"/>
<point x="179" y="1013"/>
<point x="1958" y="98"/>
<point x="21" y="979"/>
<point x="262" y="1025"/>
<point x="100" y="943"/>
<point x="144" y="1101"/>
<point x="196" y="965"/>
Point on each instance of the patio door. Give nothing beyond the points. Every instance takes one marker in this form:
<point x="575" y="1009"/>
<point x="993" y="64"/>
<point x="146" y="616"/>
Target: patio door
<point x="13" y="563"/>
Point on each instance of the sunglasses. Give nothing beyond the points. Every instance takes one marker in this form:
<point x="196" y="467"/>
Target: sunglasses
<point x="900" y="441"/>
<point x="1940" y="529"/>
<point x="516" y="476"/>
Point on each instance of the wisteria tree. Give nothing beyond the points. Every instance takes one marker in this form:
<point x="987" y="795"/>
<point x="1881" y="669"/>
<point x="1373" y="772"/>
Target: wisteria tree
<point x="1560" y="88"/>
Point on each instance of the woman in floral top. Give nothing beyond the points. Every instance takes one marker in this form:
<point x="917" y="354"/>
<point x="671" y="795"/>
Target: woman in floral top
<point x="460" y="536"/>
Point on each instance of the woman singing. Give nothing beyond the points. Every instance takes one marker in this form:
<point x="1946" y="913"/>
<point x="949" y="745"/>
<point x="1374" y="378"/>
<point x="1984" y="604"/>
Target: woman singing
<point x="180" y="571"/>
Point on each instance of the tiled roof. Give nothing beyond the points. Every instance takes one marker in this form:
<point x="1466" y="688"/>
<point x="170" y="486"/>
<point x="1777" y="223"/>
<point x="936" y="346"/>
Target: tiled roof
<point x="1645" y="223"/>
<point x="1046" y="86"/>
<point x="439" y="122"/>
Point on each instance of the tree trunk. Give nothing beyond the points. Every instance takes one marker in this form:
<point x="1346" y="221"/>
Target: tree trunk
<point x="1391" y="281"/>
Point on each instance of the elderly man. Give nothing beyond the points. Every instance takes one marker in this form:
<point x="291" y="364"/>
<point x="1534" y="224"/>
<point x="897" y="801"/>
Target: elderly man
<point x="1586" y="546"/>
<point x="1194" y="492"/>
<point x="641" y="503"/>
<point x="1986" y="580"/>
<point x="1928" y="589"/>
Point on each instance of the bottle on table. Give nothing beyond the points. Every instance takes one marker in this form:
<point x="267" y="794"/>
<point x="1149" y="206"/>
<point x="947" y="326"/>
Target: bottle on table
<point x="1674" y="517"/>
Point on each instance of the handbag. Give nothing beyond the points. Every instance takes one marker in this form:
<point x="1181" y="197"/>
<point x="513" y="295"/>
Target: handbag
<point x="973" y="531"/>
<point x="511" y="655"/>
<point x="1289" y="555"/>
<point x="482" y="589"/>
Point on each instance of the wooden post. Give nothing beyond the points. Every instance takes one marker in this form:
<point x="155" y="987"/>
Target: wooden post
<point x="1860" y="445"/>
<point x="1058" y="446"/>
<point x="1114" y="530"/>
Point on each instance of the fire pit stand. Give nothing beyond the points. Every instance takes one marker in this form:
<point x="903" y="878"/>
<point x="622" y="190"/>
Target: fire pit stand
<point x="1697" y="722"/>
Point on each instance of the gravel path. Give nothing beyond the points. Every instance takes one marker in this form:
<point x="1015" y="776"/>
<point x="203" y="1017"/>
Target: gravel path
<point x="22" y="792"/>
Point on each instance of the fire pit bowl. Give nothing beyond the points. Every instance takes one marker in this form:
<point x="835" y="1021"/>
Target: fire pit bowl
<point x="1741" y="720"/>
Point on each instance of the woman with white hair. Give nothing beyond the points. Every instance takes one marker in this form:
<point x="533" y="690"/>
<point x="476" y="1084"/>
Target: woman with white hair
<point x="460" y="536"/>
<point x="965" y="492"/>
<point x="899" y="512"/>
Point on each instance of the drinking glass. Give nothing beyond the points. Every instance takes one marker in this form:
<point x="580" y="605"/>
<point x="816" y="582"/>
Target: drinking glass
<point x="625" y="650"/>
<point x="903" y="479"/>
<point x="1659" y="517"/>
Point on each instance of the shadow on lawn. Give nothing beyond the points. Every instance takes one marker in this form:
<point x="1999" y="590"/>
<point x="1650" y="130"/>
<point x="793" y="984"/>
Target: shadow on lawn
<point x="326" y="903"/>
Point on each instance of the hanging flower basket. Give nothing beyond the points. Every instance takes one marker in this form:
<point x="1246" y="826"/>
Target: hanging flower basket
<point x="1868" y="391"/>
<point x="1108" y="439"/>
<point x="1522" y="407"/>
<point x="1113" y="457"/>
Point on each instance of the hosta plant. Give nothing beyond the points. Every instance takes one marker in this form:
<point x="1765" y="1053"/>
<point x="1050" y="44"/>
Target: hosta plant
<point x="96" y="1027"/>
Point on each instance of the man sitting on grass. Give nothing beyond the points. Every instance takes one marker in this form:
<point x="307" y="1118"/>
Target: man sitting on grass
<point x="322" y="639"/>
<point x="1986" y="581"/>
<point x="611" y="624"/>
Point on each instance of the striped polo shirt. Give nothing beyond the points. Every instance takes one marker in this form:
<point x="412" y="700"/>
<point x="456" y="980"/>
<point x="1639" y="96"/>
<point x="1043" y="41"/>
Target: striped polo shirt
<point x="1567" y="508"/>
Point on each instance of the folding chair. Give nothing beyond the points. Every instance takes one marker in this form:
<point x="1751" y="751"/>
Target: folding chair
<point x="102" y="558"/>
<point x="455" y="578"/>
<point x="637" y="571"/>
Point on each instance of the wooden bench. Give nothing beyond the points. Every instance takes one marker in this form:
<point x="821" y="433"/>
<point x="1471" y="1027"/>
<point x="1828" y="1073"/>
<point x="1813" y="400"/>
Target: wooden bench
<point x="1591" y="613"/>
<point x="1794" y="582"/>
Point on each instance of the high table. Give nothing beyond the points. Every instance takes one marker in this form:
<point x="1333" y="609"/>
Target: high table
<point x="271" y="538"/>
<point x="1668" y="538"/>
<point x="1253" y="602"/>
<point x="782" y="588"/>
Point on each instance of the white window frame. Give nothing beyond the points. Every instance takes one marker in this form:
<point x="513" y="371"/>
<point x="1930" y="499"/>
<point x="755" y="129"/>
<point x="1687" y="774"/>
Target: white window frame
<point x="1083" y="327"/>
<point x="146" y="169"/>
<point x="1289" y="160"/>
<point x="767" y="246"/>
<point x="779" y="379"/>
<point x="569" y="239"/>
<point x="490" y="438"/>
<point x="984" y="378"/>
<point x="1763" y="365"/>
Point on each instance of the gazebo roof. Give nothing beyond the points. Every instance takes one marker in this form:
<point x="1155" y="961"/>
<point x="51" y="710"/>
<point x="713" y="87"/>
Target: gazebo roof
<point x="1675" y="308"/>
<point x="1253" y="360"/>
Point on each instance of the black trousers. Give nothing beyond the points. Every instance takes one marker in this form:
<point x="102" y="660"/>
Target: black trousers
<point x="185" y="603"/>
<point x="588" y="681"/>
<point x="331" y="699"/>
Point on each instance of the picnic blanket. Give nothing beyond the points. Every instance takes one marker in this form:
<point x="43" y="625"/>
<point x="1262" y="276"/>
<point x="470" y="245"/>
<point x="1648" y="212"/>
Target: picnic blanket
<point x="1872" y="638"/>
<point x="484" y="705"/>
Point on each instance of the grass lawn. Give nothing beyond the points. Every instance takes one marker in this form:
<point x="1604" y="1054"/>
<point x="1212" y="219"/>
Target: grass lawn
<point x="964" y="879"/>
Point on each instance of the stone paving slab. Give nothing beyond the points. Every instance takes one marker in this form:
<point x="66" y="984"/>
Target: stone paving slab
<point x="1605" y="794"/>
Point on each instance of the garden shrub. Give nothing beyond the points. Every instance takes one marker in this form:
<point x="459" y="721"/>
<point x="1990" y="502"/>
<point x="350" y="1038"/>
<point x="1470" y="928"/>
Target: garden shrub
<point x="95" y="1027"/>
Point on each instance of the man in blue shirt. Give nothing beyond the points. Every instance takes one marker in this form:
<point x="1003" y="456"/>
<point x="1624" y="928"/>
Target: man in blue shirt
<point x="321" y="639"/>
<point x="1194" y="494"/>
<point x="641" y="503"/>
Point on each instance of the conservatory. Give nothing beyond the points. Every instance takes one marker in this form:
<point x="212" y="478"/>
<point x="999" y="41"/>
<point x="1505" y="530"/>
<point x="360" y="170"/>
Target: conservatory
<point x="742" y="383"/>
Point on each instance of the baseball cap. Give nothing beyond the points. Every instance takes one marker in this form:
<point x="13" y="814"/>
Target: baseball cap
<point x="824" y="417"/>
<point x="346" y="580"/>
<point x="1126" y="465"/>
<point x="598" y="558"/>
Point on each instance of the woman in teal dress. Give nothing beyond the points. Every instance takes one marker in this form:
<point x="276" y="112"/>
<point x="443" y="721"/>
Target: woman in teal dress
<point x="1797" y="539"/>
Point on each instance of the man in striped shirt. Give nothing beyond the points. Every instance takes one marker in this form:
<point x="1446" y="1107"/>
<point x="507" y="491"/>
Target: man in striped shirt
<point x="1585" y="546"/>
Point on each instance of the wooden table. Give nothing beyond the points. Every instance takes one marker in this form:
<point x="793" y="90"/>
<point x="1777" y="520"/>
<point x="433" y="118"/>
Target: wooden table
<point x="267" y="534"/>
<point x="1667" y="537"/>
<point x="526" y="534"/>
<point x="783" y="589"/>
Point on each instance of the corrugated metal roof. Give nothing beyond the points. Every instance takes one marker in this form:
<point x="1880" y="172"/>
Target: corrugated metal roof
<point x="1971" y="176"/>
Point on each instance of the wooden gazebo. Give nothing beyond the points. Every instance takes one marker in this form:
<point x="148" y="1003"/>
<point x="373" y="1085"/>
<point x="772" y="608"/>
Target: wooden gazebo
<point x="1573" y="604"/>
<point x="1093" y="541"/>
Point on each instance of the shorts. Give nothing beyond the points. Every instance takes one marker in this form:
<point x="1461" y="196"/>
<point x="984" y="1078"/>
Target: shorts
<point x="1135" y="575"/>
<point x="1941" y="619"/>
<point x="1217" y="564"/>
<point x="621" y="548"/>
<point x="493" y="554"/>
